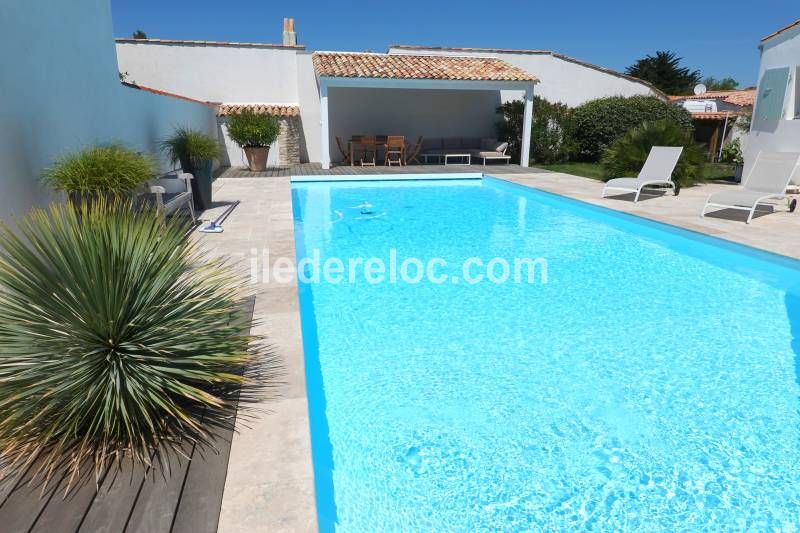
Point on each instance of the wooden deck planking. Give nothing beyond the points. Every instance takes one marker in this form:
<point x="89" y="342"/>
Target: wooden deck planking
<point x="315" y="169"/>
<point x="129" y="499"/>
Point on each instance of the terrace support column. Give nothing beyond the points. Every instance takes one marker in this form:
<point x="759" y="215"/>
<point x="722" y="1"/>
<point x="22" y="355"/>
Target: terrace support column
<point x="527" y="124"/>
<point x="324" y="128"/>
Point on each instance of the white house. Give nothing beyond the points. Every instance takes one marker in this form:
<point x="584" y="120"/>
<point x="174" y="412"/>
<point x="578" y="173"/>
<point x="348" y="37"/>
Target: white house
<point x="284" y="79"/>
<point x="717" y="116"/>
<point x="776" y="117"/>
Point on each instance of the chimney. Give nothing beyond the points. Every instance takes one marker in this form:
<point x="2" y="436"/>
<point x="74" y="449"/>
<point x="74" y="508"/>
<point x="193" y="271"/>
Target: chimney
<point x="289" y="35"/>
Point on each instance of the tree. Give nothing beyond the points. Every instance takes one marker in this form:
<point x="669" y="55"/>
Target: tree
<point x="725" y="84"/>
<point x="551" y="131"/>
<point x="665" y="72"/>
<point x="139" y="34"/>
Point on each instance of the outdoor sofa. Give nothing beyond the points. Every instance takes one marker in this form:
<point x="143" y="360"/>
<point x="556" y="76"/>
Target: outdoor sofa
<point x="465" y="148"/>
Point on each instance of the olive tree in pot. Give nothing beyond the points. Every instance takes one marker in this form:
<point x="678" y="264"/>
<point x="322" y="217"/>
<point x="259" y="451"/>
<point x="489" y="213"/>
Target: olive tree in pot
<point x="195" y="151"/>
<point x="111" y="171"/>
<point x="254" y="132"/>
<point x="122" y="341"/>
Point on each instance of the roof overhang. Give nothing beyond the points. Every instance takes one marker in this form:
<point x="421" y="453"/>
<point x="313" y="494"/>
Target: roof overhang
<point x="793" y="25"/>
<point x="277" y="110"/>
<point x="715" y="115"/>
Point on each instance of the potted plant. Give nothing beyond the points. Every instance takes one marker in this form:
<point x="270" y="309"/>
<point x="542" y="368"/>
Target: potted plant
<point x="100" y="171"/>
<point x="195" y="151"/>
<point x="732" y="154"/>
<point x="122" y="342"/>
<point x="254" y="133"/>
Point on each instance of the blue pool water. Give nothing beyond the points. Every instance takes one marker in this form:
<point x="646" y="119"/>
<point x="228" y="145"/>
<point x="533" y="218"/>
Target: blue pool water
<point x="651" y="384"/>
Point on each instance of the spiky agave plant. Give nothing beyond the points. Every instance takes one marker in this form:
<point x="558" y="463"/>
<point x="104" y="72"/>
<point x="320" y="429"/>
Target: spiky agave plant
<point x="119" y="340"/>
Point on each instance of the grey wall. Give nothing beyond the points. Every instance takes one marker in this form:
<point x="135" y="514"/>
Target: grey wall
<point x="410" y="112"/>
<point x="61" y="91"/>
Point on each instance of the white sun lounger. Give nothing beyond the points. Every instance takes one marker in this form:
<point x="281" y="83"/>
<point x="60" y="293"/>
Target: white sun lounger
<point x="767" y="180"/>
<point x="657" y="170"/>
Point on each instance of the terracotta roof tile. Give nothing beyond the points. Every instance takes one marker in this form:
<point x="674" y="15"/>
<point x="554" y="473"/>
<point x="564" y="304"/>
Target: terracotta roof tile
<point x="428" y="67"/>
<point x="743" y="98"/>
<point x="166" y="93"/>
<point x="278" y="110"/>
<point x="714" y="115"/>
<point x="557" y="55"/>
<point x="778" y="32"/>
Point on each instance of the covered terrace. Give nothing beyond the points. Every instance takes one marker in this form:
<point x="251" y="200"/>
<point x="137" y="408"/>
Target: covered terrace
<point x="434" y="97"/>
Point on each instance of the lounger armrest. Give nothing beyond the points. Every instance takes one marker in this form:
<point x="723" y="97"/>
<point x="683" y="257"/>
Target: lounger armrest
<point x="174" y="182"/>
<point x="157" y="189"/>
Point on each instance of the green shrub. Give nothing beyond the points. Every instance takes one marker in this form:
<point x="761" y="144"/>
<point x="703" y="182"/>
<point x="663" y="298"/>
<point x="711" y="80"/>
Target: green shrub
<point x="111" y="169"/>
<point x="509" y="127"/>
<point x="551" y="133"/>
<point x="599" y="123"/>
<point x="627" y="154"/>
<point x="732" y="153"/>
<point x="119" y="340"/>
<point x="188" y="145"/>
<point x="248" y="128"/>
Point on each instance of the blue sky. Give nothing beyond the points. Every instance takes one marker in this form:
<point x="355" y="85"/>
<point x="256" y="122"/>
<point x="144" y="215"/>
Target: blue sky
<point x="718" y="37"/>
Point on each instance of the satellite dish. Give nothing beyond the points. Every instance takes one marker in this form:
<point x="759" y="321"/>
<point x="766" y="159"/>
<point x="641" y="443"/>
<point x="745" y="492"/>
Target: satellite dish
<point x="700" y="89"/>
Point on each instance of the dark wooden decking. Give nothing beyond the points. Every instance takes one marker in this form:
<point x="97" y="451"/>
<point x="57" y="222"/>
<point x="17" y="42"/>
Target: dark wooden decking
<point x="187" y="500"/>
<point x="315" y="169"/>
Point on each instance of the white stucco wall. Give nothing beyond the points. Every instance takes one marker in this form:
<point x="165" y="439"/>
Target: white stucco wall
<point x="561" y="80"/>
<point x="410" y="112"/>
<point x="308" y="98"/>
<point x="779" y="135"/>
<point x="217" y="73"/>
<point x="60" y="92"/>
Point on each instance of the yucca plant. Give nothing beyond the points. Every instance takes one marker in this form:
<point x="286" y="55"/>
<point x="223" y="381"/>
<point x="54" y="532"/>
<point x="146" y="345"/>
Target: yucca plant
<point x="119" y="340"/>
<point x="111" y="170"/>
<point x="627" y="154"/>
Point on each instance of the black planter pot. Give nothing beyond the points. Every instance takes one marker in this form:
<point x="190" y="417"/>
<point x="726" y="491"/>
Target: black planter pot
<point x="201" y="184"/>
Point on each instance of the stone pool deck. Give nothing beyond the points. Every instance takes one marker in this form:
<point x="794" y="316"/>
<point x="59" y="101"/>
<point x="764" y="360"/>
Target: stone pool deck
<point x="270" y="483"/>
<point x="777" y="231"/>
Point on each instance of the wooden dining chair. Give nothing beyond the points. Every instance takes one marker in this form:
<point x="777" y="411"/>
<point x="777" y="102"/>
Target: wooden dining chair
<point x="345" y="153"/>
<point x="412" y="152"/>
<point x="369" y="149"/>
<point x="395" y="150"/>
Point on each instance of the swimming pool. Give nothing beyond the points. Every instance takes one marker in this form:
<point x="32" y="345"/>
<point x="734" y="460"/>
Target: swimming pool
<point x="650" y="384"/>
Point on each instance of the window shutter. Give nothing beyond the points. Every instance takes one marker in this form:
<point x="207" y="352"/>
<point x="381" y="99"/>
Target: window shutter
<point x="771" y="93"/>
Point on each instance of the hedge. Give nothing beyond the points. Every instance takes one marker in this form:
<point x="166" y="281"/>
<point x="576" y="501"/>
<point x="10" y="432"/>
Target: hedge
<point x="598" y="123"/>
